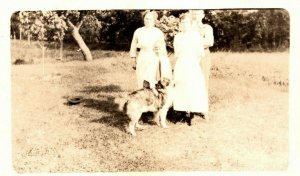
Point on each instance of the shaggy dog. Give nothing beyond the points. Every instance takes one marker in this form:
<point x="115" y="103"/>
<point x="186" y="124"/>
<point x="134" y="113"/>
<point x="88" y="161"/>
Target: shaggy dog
<point x="157" y="100"/>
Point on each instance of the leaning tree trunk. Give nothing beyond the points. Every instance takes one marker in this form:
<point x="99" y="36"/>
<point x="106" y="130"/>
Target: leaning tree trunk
<point x="75" y="33"/>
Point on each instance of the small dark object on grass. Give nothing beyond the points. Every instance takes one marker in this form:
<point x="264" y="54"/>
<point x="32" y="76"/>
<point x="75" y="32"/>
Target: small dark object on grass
<point x="75" y="100"/>
<point x="19" y="62"/>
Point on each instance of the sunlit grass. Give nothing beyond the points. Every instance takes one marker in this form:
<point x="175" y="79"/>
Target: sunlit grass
<point x="248" y="128"/>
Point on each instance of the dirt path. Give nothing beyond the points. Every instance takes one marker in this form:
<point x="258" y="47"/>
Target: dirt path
<point x="248" y="131"/>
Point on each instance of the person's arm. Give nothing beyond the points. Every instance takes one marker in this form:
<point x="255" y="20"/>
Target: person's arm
<point x="133" y="48"/>
<point x="200" y="44"/>
<point x="209" y="36"/>
<point x="163" y="45"/>
<point x="160" y="45"/>
<point x="175" y="46"/>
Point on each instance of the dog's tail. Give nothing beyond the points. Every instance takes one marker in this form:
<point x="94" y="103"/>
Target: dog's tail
<point x="125" y="107"/>
<point x="122" y="102"/>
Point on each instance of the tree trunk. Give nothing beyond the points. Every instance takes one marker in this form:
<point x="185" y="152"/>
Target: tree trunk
<point x="29" y="39"/>
<point x="43" y="56"/>
<point x="75" y="33"/>
<point x="273" y="40"/>
<point x="61" y="49"/>
<point x="21" y="33"/>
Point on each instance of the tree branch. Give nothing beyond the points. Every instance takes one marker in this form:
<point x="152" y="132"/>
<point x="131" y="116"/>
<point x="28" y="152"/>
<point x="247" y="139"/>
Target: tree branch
<point x="79" y="24"/>
<point x="70" y="24"/>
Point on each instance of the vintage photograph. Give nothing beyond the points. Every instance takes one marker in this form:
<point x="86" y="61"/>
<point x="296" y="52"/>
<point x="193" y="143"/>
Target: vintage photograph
<point x="150" y="90"/>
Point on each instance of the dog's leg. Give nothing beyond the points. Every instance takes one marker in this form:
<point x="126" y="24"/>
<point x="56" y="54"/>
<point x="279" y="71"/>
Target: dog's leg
<point x="131" y="128"/>
<point x="163" y="116"/>
<point x="156" y="117"/>
<point x="139" y="126"/>
<point x="133" y="121"/>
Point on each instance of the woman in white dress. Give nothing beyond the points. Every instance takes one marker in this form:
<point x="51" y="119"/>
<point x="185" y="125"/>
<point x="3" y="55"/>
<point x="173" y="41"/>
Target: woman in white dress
<point x="206" y="31"/>
<point x="190" y="93"/>
<point x="153" y="55"/>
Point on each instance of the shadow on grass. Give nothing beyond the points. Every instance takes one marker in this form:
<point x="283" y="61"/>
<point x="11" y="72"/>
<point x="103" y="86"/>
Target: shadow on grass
<point x="99" y="89"/>
<point x="116" y="118"/>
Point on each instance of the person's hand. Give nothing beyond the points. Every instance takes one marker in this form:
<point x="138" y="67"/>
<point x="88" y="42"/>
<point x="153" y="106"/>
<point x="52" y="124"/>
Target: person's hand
<point x="157" y="50"/>
<point x="134" y="64"/>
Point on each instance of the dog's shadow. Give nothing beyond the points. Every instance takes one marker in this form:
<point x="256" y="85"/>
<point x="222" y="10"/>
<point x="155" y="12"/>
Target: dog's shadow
<point x="101" y="89"/>
<point x="106" y="104"/>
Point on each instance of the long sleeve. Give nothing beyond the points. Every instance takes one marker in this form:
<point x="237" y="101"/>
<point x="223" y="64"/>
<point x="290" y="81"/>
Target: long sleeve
<point x="175" y="45"/>
<point x="133" y="46"/>
<point x="209" y="36"/>
<point x="163" y="44"/>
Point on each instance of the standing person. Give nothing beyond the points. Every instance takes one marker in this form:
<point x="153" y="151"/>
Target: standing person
<point x="206" y="31"/>
<point x="190" y="93"/>
<point x="151" y="43"/>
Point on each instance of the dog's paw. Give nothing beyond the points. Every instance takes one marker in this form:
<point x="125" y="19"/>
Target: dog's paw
<point x="140" y="127"/>
<point x="130" y="131"/>
<point x="132" y="134"/>
<point x="165" y="126"/>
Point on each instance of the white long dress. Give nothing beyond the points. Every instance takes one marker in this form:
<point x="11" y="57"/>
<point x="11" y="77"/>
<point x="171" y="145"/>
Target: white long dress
<point x="190" y="93"/>
<point x="206" y="31"/>
<point x="147" y="60"/>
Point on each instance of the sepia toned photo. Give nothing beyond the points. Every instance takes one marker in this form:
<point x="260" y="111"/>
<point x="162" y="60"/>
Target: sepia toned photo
<point x="150" y="90"/>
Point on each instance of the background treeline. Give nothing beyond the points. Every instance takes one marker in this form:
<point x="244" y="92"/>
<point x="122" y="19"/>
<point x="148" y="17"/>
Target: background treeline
<point x="234" y="30"/>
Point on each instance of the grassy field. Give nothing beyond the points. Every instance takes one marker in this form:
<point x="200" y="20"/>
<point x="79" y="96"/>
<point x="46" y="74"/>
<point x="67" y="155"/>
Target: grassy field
<point x="247" y="130"/>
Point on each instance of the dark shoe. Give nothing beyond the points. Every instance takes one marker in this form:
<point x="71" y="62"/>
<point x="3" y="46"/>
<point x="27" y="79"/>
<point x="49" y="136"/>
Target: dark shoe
<point x="189" y="117"/>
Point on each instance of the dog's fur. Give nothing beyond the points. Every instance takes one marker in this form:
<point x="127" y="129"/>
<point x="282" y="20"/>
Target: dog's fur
<point x="157" y="100"/>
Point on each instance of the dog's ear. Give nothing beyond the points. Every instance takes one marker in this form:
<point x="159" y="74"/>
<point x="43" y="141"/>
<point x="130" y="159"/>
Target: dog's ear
<point x="158" y="85"/>
<point x="146" y="85"/>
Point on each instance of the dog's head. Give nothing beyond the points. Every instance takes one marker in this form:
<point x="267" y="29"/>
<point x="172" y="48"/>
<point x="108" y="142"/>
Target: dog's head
<point x="163" y="83"/>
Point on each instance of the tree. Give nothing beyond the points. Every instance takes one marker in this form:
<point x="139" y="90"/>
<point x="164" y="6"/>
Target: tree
<point x="14" y="25"/>
<point x="56" y="28"/>
<point x="77" y="17"/>
<point x="51" y="25"/>
<point x="38" y="29"/>
<point x="234" y="30"/>
<point x="27" y="19"/>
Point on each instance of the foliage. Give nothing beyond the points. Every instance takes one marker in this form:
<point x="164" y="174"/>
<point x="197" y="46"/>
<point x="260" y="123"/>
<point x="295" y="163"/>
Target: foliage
<point x="118" y="26"/>
<point x="169" y="25"/>
<point x="90" y="30"/>
<point x="26" y="20"/>
<point x="250" y="30"/>
<point x="56" y="26"/>
<point x="234" y="30"/>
